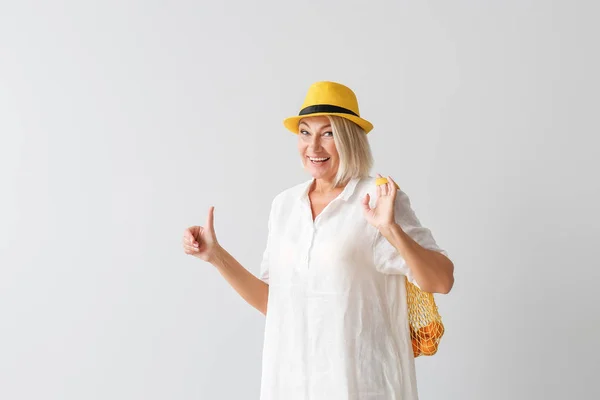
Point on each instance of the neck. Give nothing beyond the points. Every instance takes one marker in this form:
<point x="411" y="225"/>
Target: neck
<point x="324" y="186"/>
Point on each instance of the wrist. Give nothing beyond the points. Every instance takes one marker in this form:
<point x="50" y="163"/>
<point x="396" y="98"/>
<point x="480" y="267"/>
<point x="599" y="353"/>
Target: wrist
<point x="394" y="234"/>
<point x="217" y="256"/>
<point x="388" y="229"/>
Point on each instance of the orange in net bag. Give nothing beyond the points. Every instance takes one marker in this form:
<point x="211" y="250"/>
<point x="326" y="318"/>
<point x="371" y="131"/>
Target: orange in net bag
<point x="424" y="320"/>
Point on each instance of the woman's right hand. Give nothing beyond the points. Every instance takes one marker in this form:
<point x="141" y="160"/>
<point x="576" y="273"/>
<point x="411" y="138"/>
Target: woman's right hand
<point x="201" y="241"/>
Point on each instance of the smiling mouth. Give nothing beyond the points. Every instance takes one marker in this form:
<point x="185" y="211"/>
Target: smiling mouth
<point x="318" y="160"/>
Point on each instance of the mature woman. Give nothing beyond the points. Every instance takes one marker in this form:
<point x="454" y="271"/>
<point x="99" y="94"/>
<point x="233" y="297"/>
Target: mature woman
<point x="332" y="278"/>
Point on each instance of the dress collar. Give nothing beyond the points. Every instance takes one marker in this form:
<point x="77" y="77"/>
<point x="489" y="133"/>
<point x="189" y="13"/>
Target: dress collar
<point x="345" y="195"/>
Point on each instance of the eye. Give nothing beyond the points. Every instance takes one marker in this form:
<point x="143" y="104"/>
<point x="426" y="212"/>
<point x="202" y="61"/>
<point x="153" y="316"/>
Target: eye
<point x="328" y="134"/>
<point x="303" y="132"/>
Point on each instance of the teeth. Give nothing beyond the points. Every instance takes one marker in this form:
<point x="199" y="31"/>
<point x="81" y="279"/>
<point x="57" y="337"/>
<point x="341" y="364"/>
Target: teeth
<point x="318" y="159"/>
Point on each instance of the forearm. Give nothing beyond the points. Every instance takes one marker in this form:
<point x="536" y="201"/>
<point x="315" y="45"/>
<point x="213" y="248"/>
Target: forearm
<point x="433" y="271"/>
<point x="252" y="289"/>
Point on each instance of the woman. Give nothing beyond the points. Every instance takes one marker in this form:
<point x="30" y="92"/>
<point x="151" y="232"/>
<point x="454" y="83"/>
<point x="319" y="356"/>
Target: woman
<point x="332" y="274"/>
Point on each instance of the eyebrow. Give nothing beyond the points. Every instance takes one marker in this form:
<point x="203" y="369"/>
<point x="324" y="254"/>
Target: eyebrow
<point x="323" y="127"/>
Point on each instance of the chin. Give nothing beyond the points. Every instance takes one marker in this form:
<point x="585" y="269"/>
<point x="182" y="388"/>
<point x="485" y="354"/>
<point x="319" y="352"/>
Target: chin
<point x="317" y="174"/>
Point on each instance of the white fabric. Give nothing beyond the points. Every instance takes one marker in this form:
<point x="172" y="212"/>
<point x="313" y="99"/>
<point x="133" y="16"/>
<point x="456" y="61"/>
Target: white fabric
<point x="336" y="325"/>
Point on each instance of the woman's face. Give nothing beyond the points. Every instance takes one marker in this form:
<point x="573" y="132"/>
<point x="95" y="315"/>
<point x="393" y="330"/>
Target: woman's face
<point x="317" y="147"/>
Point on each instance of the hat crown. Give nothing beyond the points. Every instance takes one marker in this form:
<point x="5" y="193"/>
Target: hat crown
<point x="331" y="93"/>
<point x="329" y="99"/>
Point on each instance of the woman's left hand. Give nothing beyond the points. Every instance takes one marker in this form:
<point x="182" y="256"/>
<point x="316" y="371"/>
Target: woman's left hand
<point x="382" y="214"/>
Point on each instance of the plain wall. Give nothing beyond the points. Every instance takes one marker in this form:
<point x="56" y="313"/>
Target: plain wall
<point x="121" y="122"/>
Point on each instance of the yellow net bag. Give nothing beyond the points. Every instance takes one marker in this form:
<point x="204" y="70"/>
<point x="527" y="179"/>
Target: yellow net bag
<point x="424" y="320"/>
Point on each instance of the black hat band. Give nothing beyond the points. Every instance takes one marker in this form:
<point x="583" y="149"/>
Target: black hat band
<point x="326" y="108"/>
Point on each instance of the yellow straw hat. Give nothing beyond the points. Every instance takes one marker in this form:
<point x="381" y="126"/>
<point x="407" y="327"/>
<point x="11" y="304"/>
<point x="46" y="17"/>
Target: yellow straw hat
<point x="329" y="98"/>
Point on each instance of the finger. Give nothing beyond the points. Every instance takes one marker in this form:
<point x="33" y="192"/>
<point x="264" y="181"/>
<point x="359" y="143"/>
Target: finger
<point x="189" y="238"/>
<point x="365" y="202"/>
<point x="394" y="184"/>
<point x="210" y="220"/>
<point x="390" y="187"/>
<point x="384" y="190"/>
<point x="394" y="188"/>
<point x="379" y="190"/>
<point x="189" y="235"/>
<point x="190" y="249"/>
<point x="191" y="242"/>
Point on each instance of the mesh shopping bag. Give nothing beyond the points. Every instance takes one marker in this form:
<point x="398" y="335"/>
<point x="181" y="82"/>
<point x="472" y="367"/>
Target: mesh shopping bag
<point x="424" y="320"/>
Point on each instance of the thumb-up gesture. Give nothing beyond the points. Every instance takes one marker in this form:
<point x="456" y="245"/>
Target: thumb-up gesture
<point x="383" y="213"/>
<point x="201" y="241"/>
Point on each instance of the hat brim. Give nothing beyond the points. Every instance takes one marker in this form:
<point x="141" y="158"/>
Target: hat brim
<point x="291" y="123"/>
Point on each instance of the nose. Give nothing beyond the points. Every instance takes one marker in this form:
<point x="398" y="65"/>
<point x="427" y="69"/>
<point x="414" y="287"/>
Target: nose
<point x="315" y="143"/>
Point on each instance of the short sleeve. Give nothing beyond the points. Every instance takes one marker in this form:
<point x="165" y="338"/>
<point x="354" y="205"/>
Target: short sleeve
<point x="386" y="258"/>
<point x="264" y="265"/>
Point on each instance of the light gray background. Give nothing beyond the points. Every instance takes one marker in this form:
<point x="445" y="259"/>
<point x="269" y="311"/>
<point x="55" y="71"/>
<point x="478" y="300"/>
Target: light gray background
<point x="122" y="121"/>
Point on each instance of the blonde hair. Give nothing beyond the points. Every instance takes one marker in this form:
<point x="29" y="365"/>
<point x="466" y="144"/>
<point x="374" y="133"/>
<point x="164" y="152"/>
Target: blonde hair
<point x="356" y="159"/>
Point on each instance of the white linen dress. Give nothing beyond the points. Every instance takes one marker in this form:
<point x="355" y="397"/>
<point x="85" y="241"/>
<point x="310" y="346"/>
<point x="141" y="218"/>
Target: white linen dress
<point x="336" y="326"/>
